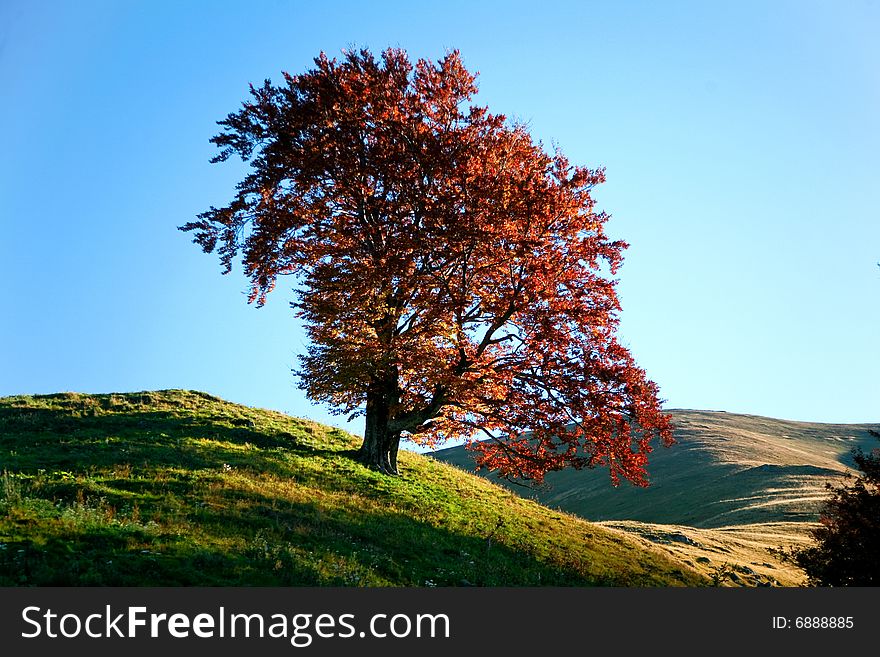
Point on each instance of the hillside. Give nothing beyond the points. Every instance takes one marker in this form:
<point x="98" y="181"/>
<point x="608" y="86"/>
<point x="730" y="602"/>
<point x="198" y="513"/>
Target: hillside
<point x="181" y="488"/>
<point x="725" y="469"/>
<point x="732" y="487"/>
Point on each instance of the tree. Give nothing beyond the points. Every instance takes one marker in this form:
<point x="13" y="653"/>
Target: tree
<point x="454" y="279"/>
<point x="848" y="536"/>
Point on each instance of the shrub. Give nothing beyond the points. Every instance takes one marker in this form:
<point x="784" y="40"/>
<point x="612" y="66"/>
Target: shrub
<point x="848" y="538"/>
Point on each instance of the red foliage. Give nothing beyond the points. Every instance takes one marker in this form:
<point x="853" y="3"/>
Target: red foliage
<point x="454" y="278"/>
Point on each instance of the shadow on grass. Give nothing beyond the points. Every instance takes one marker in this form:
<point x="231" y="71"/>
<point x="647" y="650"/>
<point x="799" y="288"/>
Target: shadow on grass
<point x="100" y="557"/>
<point x="384" y="545"/>
<point x="293" y="544"/>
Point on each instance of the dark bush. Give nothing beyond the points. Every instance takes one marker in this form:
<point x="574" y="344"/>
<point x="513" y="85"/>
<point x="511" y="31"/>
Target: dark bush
<point x="847" y="548"/>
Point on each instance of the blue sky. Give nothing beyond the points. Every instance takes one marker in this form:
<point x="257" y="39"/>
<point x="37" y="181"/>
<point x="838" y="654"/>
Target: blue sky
<point x="741" y="143"/>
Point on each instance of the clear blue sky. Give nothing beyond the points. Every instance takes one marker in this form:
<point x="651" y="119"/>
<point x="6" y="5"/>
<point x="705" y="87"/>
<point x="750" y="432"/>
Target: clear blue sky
<point x="741" y="142"/>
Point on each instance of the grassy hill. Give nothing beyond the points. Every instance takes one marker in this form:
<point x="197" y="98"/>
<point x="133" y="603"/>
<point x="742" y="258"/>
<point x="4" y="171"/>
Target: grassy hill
<point x="732" y="487"/>
<point x="181" y="488"/>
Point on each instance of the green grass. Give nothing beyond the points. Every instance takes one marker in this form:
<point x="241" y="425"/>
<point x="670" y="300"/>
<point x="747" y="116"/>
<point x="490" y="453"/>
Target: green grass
<point x="181" y="488"/>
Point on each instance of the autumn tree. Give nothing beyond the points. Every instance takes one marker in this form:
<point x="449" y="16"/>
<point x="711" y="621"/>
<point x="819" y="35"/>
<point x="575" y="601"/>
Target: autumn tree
<point x="455" y="279"/>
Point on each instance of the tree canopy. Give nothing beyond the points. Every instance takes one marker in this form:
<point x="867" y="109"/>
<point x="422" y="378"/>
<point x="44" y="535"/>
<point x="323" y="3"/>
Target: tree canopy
<point x="454" y="278"/>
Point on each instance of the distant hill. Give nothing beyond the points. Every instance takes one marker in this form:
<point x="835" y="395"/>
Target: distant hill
<point x="176" y="487"/>
<point x="726" y="469"/>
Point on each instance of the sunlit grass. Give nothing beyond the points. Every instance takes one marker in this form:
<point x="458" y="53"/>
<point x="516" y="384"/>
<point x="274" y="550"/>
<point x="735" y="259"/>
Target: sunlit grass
<point x="181" y="488"/>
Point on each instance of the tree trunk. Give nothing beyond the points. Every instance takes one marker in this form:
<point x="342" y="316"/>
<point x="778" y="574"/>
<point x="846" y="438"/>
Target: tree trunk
<point x="379" y="449"/>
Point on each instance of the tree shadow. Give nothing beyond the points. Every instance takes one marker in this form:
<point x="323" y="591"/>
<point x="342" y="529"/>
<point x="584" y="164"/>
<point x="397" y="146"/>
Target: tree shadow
<point x="386" y="545"/>
<point x="298" y="545"/>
